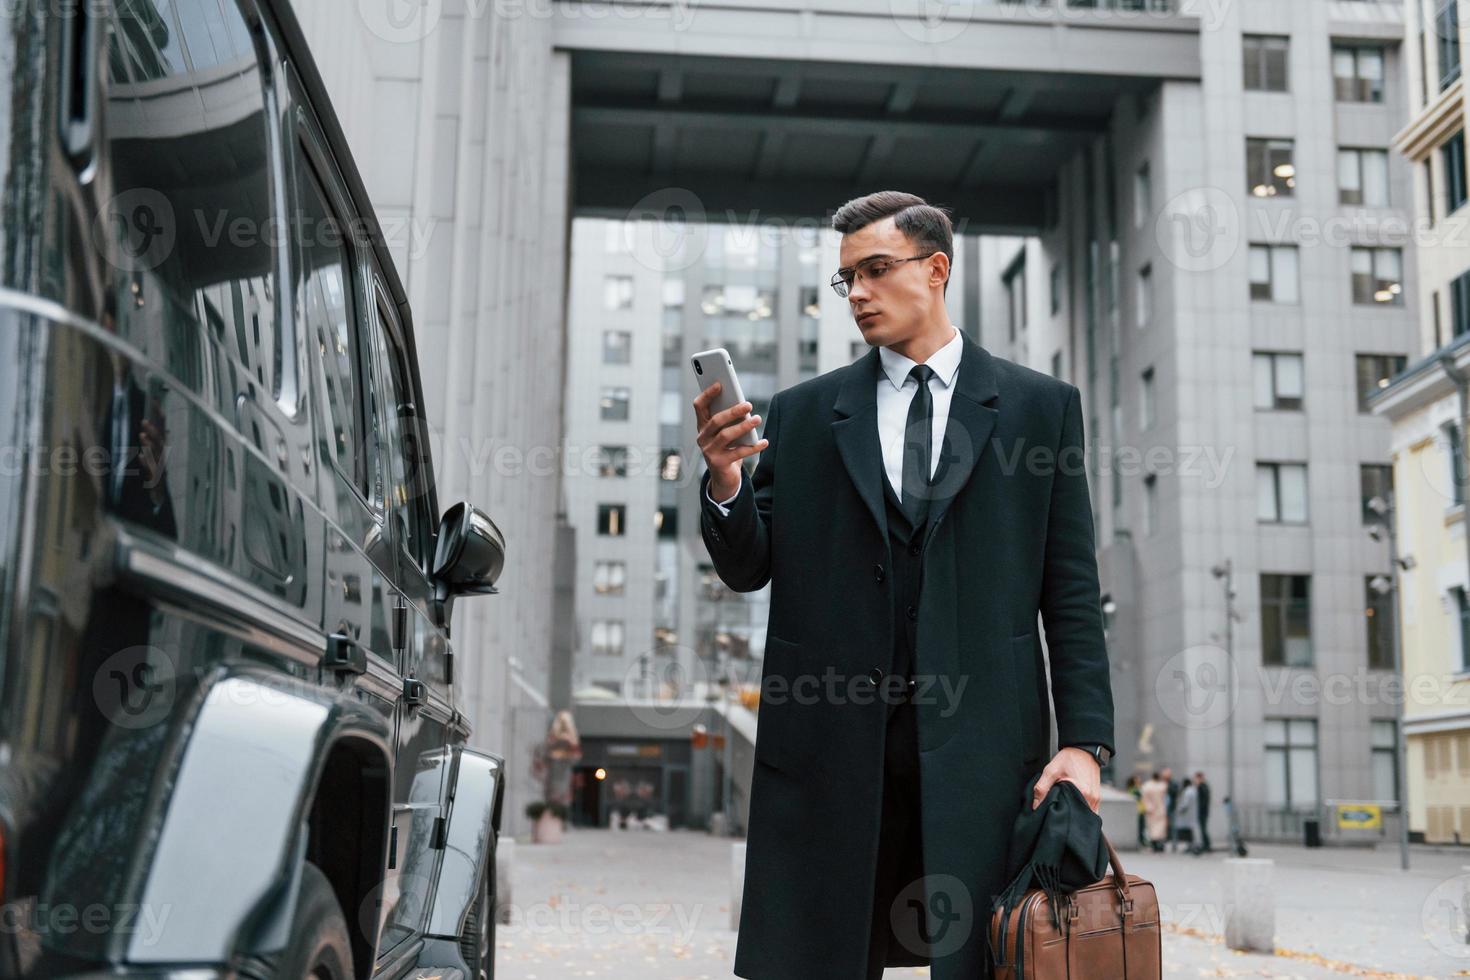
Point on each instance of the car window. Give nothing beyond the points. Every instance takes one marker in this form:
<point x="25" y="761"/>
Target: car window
<point x="409" y="487"/>
<point x="329" y="312"/>
<point x="187" y="226"/>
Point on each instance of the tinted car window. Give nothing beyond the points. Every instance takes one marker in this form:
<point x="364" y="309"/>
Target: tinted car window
<point x="187" y="229"/>
<point x="408" y="498"/>
<point x="329" y="315"/>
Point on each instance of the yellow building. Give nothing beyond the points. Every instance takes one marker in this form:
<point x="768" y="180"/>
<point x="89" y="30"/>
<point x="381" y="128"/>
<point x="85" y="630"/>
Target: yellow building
<point x="1427" y="405"/>
<point x="1423" y="403"/>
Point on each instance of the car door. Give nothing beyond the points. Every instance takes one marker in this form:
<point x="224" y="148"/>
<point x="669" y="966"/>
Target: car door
<point x="333" y="301"/>
<point x="424" y="713"/>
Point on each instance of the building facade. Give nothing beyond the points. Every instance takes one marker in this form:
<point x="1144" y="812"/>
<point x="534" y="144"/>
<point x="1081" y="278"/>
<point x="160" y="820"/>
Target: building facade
<point x="1221" y="277"/>
<point x="1203" y="192"/>
<point x="1425" y="405"/>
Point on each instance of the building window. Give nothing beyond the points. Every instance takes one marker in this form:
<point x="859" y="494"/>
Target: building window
<point x="1374" y="480"/>
<point x="1056" y="288"/>
<point x="617" y="292"/>
<point x="670" y="465"/>
<point x="1269" y="170"/>
<point x="617" y="347"/>
<point x="1143" y="195"/>
<point x="1273" y="270"/>
<point x="1378" y="621"/>
<point x="1286" y="620"/>
<point x="1146" y="399"/>
<point x="1056" y="364"/>
<point x="1429" y="199"/>
<point x="1291" y="763"/>
<point x="1015" y="284"/>
<point x="614" y="403"/>
<point x="1462" y="609"/>
<point x="1281" y="493"/>
<point x="1455" y="450"/>
<point x="1374" y="372"/>
<point x="1150" y="503"/>
<point x="1460" y="303"/>
<point x="1447" y="30"/>
<point x="1452" y="156"/>
<point x="612" y="520"/>
<point x="1265" y="62"/>
<point x="1145" y="295"/>
<point x="1362" y="177"/>
<point x="609" y="577"/>
<point x="1278" y="380"/>
<point x="612" y="460"/>
<point x="666" y="522"/>
<point x="809" y="329"/>
<point x="619" y="237"/>
<point x="607" y="637"/>
<point x="1358" y="73"/>
<point x="671" y="406"/>
<point x="1378" y="275"/>
<point x="1383" y="739"/>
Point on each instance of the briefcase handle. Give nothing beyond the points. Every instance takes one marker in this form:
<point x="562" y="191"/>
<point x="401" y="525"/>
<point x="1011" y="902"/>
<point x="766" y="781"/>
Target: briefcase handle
<point x="1120" y="877"/>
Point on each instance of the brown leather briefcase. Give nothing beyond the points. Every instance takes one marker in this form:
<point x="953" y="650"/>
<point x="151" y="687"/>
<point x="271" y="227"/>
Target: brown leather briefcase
<point x="1106" y="931"/>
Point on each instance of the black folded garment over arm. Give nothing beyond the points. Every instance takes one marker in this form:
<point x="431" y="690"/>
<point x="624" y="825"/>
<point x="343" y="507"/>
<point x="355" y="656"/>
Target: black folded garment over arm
<point x="1058" y="847"/>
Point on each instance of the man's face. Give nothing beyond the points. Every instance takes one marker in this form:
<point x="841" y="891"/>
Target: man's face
<point x="891" y="308"/>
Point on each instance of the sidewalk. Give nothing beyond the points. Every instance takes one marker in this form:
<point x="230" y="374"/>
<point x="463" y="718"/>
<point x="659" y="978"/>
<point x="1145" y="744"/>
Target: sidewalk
<point x="638" y="905"/>
<point x="1345" y="904"/>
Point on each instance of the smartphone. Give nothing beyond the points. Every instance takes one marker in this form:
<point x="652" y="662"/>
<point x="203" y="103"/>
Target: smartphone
<point x="715" y="365"/>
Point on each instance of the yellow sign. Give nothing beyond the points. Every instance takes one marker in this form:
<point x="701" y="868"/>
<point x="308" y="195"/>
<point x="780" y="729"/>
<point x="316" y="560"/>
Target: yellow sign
<point x="1360" y="816"/>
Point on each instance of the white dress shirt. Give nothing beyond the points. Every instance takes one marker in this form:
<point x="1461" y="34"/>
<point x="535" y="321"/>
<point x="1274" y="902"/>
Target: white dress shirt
<point x="896" y="391"/>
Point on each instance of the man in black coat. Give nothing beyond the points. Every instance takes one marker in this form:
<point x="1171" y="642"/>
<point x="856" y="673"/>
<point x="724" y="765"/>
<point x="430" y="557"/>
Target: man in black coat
<point x="913" y="513"/>
<point x="1171" y="790"/>
<point x="1203" y="797"/>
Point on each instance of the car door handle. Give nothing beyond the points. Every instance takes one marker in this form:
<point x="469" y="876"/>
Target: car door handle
<point x="415" y="692"/>
<point x="344" y="655"/>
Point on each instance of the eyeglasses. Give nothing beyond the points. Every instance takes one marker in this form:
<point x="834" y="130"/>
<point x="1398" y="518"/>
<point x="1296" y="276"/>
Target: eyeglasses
<point x="874" y="269"/>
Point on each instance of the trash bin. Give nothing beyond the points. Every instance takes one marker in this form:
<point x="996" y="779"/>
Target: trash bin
<point x="1312" y="831"/>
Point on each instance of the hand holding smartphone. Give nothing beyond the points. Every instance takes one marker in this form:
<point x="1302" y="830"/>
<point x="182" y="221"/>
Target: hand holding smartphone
<point x="726" y="427"/>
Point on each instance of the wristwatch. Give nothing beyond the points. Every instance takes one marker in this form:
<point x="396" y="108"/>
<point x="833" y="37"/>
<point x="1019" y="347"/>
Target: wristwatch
<point x="1098" y="752"/>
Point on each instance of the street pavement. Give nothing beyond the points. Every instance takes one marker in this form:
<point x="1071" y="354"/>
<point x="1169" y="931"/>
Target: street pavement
<point x="643" y="905"/>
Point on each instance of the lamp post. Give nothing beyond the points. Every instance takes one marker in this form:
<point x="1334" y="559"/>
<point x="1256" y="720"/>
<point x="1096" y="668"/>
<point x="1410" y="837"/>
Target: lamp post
<point x="1226" y="571"/>
<point x="722" y="642"/>
<point x="1385" y="510"/>
<point x="727" y="787"/>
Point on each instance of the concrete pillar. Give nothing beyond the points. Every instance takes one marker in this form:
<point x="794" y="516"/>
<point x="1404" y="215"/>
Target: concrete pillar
<point x="737" y="883"/>
<point x="505" y="854"/>
<point x="1119" y="813"/>
<point x="1250" y="904"/>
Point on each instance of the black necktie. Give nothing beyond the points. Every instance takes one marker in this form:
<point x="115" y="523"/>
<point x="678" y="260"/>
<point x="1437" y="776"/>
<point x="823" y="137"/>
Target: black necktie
<point x="918" y="437"/>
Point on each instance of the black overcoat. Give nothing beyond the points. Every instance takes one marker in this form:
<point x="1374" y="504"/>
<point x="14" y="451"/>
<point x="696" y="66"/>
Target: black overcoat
<point x="1010" y="537"/>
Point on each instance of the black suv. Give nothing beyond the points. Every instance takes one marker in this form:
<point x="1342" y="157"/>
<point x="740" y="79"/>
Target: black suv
<point x="229" y="739"/>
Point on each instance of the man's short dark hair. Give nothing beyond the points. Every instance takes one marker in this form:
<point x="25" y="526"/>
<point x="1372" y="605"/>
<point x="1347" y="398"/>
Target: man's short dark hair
<point x="926" y="225"/>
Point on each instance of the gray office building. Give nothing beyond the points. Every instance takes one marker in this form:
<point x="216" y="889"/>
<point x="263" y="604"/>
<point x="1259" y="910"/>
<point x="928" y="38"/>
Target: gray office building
<point x="1199" y="198"/>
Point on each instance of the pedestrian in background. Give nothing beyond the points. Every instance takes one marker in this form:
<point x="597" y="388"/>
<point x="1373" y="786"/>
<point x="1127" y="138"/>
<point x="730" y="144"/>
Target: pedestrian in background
<point x="1156" y="810"/>
<point x="1135" y="790"/>
<point x="1171" y="801"/>
<point x="1186" y="816"/>
<point x="1203" y="794"/>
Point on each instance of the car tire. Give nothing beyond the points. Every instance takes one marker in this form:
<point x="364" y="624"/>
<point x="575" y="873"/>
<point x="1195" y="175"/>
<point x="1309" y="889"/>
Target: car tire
<point x="477" y="939"/>
<point x="319" y="947"/>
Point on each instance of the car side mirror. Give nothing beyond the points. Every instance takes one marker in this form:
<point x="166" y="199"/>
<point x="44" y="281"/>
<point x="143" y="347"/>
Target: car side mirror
<point x="468" y="559"/>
